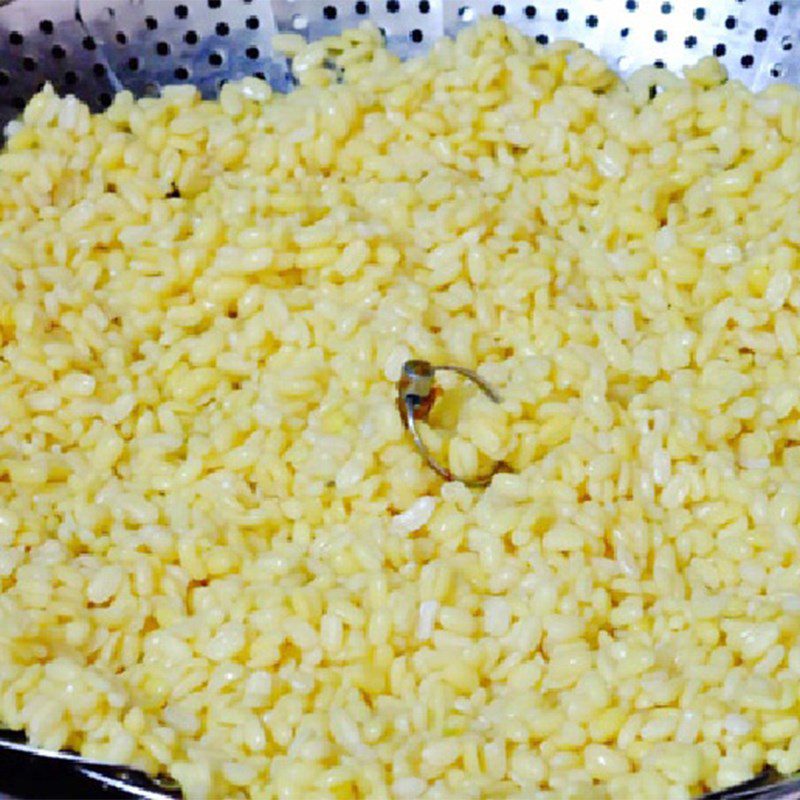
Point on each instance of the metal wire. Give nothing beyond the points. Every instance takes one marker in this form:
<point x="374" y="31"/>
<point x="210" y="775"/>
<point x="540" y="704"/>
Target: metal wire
<point x="415" y="397"/>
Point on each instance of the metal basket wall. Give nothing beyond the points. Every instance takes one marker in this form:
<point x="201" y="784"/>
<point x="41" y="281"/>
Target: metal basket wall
<point x="94" y="48"/>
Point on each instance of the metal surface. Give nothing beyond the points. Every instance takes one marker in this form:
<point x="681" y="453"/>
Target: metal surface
<point x="92" y="48"/>
<point x="416" y="394"/>
<point x="29" y="772"/>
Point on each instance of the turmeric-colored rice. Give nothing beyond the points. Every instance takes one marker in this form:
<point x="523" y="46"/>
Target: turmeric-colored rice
<point x="221" y="556"/>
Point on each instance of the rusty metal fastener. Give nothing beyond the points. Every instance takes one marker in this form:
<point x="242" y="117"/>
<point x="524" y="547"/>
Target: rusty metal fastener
<point x="416" y="394"/>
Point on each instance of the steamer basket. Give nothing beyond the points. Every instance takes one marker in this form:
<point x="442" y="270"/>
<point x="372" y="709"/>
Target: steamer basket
<point x="94" y="48"/>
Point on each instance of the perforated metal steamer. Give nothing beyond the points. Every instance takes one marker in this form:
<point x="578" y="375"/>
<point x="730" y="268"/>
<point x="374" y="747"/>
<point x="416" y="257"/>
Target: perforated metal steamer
<point x="93" y="48"/>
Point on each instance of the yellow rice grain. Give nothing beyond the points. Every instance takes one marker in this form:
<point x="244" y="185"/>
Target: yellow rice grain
<point x="220" y="555"/>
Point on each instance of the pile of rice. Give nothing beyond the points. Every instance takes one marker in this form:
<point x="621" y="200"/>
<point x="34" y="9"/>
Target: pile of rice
<point x="221" y="556"/>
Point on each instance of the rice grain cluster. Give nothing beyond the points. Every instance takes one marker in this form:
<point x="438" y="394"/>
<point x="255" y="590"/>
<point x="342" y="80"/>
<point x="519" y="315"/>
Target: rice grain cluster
<point x="221" y="556"/>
